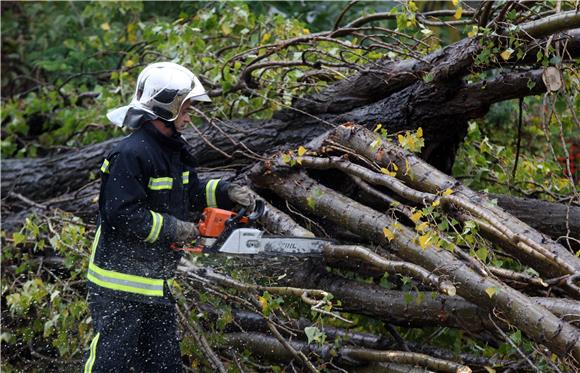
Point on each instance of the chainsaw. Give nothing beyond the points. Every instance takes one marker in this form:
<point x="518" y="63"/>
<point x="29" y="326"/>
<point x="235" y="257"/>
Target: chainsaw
<point x="223" y="231"/>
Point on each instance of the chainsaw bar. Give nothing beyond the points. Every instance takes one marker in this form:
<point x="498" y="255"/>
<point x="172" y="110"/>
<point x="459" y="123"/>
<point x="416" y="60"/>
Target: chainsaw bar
<point x="250" y="241"/>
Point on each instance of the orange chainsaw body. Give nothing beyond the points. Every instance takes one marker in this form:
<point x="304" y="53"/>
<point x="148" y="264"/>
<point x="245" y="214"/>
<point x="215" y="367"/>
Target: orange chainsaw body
<point x="213" y="221"/>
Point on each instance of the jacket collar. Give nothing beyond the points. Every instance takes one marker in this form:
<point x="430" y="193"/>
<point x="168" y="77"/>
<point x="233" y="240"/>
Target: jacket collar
<point x="174" y="143"/>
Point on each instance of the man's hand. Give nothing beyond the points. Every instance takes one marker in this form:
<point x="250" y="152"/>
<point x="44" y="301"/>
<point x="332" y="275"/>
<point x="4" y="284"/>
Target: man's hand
<point x="185" y="231"/>
<point x="242" y="196"/>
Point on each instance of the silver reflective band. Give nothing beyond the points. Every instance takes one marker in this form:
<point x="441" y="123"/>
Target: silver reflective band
<point x="126" y="283"/>
<point x="156" y="225"/>
<point x="210" y="189"/>
<point x="160" y="183"/>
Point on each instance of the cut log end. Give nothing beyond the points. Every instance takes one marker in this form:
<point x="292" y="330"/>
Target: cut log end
<point x="448" y="288"/>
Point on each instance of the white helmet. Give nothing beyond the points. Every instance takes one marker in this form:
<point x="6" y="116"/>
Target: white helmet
<point x="162" y="89"/>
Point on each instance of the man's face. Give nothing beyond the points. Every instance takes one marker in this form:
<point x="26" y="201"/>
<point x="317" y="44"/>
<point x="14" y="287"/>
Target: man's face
<point x="184" y="117"/>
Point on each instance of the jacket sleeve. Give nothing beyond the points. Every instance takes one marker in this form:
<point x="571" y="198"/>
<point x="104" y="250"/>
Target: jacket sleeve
<point x="211" y="193"/>
<point x="124" y="200"/>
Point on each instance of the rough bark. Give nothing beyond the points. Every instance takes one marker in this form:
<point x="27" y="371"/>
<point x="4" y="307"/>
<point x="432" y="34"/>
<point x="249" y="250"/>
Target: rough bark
<point x="442" y="110"/>
<point x="386" y="77"/>
<point x="535" y="321"/>
<point x="425" y="178"/>
<point x="272" y="349"/>
<point x="554" y="219"/>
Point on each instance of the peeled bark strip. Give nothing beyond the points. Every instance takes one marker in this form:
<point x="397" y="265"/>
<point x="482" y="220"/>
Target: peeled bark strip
<point x="535" y="321"/>
<point x="421" y="176"/>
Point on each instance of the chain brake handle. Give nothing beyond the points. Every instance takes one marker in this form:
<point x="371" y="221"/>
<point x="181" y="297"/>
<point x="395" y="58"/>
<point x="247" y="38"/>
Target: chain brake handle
<point x="259" y="209"/>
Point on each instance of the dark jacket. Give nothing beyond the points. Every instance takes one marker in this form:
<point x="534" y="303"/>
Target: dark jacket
<point x="148" y="181"/>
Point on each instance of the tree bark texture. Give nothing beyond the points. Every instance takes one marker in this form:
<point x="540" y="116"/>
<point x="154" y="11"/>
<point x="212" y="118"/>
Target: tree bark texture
<point x="555" y="219"/>
<point x="425" y="178"/>
<point x="442" y="110"/>
<point x="535" y="321"/>
<point x="414" y="309"/>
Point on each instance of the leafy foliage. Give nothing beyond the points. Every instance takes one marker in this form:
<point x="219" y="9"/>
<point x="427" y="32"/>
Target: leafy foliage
<point x="74" y="61"/>
<point x="45" y="314"/>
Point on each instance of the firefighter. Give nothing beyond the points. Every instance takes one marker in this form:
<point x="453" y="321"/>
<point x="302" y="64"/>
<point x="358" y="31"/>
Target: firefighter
<point x="149" y="197"/>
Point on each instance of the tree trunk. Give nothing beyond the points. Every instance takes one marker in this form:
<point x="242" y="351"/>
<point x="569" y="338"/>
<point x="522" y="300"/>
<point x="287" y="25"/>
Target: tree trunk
<point x="442" y="110"/>
<point x="557" y="220"/>
<point x="414" y="309"/>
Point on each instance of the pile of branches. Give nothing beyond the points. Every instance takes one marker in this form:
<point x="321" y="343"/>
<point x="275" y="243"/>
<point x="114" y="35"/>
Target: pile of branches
<point x="395" y="218"/>
<point x="380" y="231"/>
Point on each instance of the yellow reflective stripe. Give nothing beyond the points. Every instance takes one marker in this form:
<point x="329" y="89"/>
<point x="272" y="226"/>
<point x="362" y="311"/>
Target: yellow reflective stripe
<point x="105" y="167"/>
<point x="93" y="355"/>
<point x="160" y="183"/>
<point x="127" y="277"/>
<point x="185" y="177"/>
<point x="95" y="243"/>
<point x="210" y="189"/>
<point x="126" y="288"/>
<point x="156" y="226"/>
<point x="125" y="282"/>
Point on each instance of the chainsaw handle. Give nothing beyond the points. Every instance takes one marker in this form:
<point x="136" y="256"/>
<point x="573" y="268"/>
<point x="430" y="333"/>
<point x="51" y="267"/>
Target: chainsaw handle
<point x="259" y="208"/>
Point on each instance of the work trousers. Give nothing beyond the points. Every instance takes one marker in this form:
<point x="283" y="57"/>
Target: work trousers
<point x="132" y="337"/>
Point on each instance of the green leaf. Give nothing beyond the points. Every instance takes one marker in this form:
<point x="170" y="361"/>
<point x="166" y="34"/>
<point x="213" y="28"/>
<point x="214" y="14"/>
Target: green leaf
<point x="18" y="238"/>
<point x="482" y="254"/>
<point x="314" y="334"/>
<point x="310" y="332"/>
<point x="516" y="337"/>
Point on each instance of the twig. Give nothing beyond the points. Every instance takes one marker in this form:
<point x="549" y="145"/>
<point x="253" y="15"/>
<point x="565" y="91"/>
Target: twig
<point x="341" y="15"/>
<point x="297" y="354"/>
<point x="197" y="334"/>
<point x="509" y="340"/>
<point x="521" y="102"/>
<point x="370" y="257"/>
<point x="27" y="200"/>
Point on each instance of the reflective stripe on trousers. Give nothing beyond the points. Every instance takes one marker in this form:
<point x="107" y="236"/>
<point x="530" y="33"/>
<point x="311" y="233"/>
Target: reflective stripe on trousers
<point x="93" y="355"/>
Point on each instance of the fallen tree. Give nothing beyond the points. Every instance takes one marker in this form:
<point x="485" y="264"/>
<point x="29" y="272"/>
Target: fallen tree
<point x="399" y="220"/>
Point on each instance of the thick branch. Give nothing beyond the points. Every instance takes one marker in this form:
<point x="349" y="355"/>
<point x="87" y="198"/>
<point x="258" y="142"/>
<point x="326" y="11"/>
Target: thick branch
<point x="552" y="24"/>
<point x="537" y="322"/>
<point x="425" y="178"/>
<point x="271" y="348"/>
